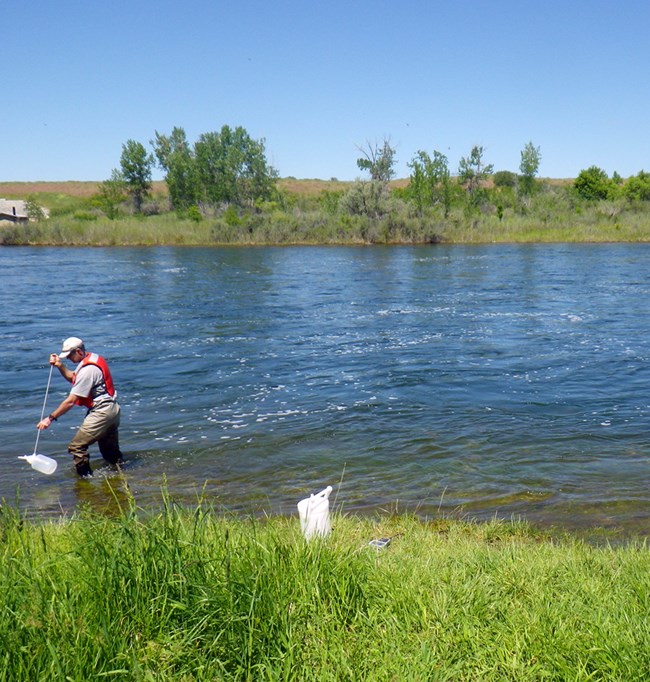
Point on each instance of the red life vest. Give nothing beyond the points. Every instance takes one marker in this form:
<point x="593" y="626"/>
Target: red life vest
<point x="94" y="359"/>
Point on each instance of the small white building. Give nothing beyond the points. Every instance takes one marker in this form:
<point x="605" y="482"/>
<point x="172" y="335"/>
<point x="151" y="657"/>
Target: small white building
<point x="13" y="211"/>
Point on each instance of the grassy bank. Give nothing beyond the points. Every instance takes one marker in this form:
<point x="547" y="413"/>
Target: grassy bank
<point x="194" y="595"/>
<point x="312" y="212"/>
<point x="314" y="228"/>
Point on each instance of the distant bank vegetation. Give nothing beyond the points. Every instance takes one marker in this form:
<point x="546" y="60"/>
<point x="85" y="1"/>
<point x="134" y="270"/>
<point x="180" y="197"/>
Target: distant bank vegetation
<point x="222" y="190"/>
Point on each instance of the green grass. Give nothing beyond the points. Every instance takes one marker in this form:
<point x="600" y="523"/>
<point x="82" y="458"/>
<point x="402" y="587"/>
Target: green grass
<point x="316" y="226"/>
<point x="166" y="229"/>
<point x="199" y="595"/>
<point x="317" y="217"/>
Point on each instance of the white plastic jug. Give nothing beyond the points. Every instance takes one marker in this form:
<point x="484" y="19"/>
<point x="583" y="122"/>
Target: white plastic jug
<point x="314" y="514"/>
<point x="42" y="463"/>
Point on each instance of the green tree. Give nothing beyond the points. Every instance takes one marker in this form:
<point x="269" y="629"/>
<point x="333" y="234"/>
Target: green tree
<point x="637" y="188"/>
<point x="136" y="165"/>
<point x="378" y="160"/>
<point x="473" y="173"/>
<point x="111" y="194"/>
<point x="33" y="209"/>
<point x="232" y="168"/>
<point x="594" y="184"/>
<point x="429" y="182"/>
<point x="529" y="167"/>
<point x="176" y="158"/>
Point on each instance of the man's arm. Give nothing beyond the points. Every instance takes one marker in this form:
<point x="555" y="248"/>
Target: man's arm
<point x="66" y="404"/>
<point x="65" y="372"/>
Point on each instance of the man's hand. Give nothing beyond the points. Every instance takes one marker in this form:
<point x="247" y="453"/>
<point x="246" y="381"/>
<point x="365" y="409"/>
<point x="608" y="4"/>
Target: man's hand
<point x="54" y="360"/>
<point x="44" y="424"/>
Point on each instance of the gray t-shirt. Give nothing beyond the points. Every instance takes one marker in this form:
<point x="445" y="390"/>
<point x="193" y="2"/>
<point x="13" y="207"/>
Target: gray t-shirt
<point x="90" y="383"/>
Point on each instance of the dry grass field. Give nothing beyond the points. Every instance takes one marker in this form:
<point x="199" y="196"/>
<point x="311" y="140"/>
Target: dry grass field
<point x="296" y="186"/>
<point x="73" y="188"/>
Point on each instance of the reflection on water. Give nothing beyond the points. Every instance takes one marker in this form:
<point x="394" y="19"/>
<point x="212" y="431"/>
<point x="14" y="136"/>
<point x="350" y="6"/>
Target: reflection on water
<point x="492" y="380"/>
<point x="108" y="495"/>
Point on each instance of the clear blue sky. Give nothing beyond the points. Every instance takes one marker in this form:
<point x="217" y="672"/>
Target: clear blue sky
<point x="318" y="79"/>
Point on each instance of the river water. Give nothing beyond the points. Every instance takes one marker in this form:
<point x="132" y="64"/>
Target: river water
<point x="477" y="381"/>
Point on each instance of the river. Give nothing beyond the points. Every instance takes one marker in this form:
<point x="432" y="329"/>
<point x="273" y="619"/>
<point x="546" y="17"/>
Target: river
<point x="475" y="381"/>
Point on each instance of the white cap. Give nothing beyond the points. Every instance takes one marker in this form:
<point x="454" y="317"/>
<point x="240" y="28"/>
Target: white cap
<point x="70" y="344"/>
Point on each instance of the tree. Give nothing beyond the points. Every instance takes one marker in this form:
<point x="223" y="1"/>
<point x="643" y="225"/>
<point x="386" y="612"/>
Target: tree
<point x="225" y="167"/>
<point x="175" y="157"/>
<point x="473" y="173"/>
<point x="33" y="209"/>
<point x="593" y="184"/>
<point x="136" y="165"/>
<point x="232" y="168"/>
<point x="529" y="166"/>
<point x="379" y="161"/>
<point x="637" y="188"/>
<point x="430" y="180"/>
<point x="111" y="194"/>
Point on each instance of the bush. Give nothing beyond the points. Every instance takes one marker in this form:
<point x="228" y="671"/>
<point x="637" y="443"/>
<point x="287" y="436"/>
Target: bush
<point x="504" y="179"/>
<point x="366" y="199"/>
<point x="593" y="184"/>
<point x="34" y="210"/>
<point x="231" y="217"/>
<point x="194" y="213"/>
<point x="638" y="187"/>
<point x="84" y="215"/>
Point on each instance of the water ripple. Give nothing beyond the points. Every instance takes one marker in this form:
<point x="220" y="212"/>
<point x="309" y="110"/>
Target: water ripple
<point x="479" y="380"/>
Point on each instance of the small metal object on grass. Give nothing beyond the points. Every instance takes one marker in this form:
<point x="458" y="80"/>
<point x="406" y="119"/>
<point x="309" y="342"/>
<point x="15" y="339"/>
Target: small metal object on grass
<point x="380" y="543"/>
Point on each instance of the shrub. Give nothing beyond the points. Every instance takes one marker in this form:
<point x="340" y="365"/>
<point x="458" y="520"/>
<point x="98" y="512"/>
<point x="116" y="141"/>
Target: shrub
<point x="504" y="179"/>
<point x="194" y="213"/>
<point x="231" y="217"/>
<point x="366" y="199"/>
<point x="84" y="216"/>
<point x="638" y="187"/>
<point x="593" y="184"/>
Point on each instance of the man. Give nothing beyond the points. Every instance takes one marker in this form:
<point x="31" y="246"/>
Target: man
<point x="92" y="387"/>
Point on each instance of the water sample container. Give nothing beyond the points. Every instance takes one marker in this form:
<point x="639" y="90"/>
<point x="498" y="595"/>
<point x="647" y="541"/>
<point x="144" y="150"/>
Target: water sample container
<point x="41" y="463"/>
<point x="314" y="514"/>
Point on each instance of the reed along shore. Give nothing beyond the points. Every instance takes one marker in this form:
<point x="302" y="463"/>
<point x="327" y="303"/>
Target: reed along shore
<point x="195" y="594"/>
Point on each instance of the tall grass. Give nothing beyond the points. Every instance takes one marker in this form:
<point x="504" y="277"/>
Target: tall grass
<point x="316" y="228"/>
<point x="552" y="215"/>
<point x="165" y="229"/>
<point x="197" y="595"/>
<point x="317" y="212"/>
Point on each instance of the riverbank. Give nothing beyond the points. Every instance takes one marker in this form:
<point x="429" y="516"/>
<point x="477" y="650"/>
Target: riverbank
<point x="313" y="212"/>
<point x="170" y="230"/>
<point x="194" y="595"/>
